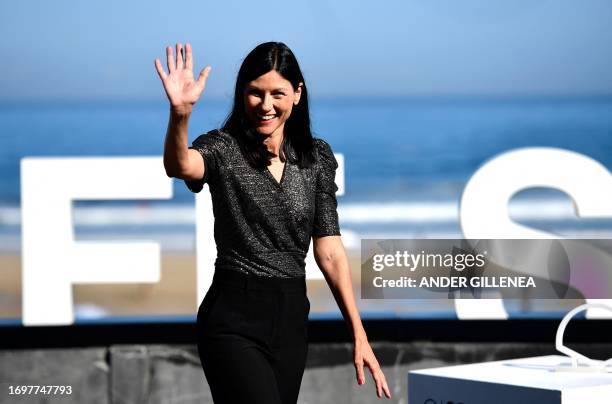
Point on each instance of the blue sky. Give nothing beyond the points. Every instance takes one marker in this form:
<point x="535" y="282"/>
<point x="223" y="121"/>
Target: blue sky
<point x="105" y="49"/>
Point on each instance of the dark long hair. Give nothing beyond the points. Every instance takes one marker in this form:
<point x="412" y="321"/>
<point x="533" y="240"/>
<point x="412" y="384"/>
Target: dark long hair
<point x="297" y="135"/>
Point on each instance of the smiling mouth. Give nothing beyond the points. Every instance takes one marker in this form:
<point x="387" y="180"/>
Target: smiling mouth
<point x="266" y="118"/>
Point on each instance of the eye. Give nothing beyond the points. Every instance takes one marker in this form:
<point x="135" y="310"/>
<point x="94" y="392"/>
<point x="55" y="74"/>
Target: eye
<point x="278" y="94"/>
<point x="253" y="93"/>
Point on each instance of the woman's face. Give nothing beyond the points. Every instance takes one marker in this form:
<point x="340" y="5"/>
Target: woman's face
<point x="268" y="101"/>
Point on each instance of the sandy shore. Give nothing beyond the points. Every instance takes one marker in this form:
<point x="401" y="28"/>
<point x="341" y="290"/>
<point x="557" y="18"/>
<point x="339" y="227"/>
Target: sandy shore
<point x="175" y="294"/>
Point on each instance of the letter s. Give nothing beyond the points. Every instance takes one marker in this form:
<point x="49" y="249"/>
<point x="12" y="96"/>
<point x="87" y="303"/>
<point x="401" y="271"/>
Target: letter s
<point x="484" y="210"/>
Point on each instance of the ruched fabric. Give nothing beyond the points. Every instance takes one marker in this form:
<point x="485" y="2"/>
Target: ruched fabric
<point x="263" y="226"/>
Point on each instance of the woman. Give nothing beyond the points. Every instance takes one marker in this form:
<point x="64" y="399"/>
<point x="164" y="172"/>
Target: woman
<point x="272" y="187"/>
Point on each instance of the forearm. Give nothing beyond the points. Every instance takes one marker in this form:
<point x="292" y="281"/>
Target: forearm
<point x="337" y="273"/>
<point x="175" y="146"/>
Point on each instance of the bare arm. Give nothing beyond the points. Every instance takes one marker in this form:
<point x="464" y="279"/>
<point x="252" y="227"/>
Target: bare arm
<point x="331" y="258"/>
<point x="180" y="161"/>
<point x="183" y="92"/>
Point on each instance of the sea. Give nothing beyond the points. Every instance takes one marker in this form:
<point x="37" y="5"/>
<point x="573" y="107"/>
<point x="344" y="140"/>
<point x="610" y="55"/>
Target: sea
<point x="406" y="160"/>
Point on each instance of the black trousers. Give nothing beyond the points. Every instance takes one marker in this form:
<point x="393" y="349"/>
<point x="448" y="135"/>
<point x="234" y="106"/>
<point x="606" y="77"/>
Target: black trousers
<point x="252" y="338"/>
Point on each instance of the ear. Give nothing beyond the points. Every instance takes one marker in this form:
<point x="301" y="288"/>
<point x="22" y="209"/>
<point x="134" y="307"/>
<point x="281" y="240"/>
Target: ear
<point x="298" y="94"/>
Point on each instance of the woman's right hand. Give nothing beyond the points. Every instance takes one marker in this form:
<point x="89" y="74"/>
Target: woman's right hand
<point x="182" y="90"/>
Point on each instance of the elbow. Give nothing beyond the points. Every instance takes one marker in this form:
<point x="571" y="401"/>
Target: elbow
<point x="329" y="254"/>
<point x="325" y="257"/>
<point x="172" y="171"/>
<point x="325" y="260"/>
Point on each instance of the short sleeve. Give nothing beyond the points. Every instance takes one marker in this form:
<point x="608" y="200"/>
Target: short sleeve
<point x="209" y="146"/>
<point x="326" y="214"/>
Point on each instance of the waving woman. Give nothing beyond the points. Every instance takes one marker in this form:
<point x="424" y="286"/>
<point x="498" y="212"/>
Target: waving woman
<point x="273" y="190"/>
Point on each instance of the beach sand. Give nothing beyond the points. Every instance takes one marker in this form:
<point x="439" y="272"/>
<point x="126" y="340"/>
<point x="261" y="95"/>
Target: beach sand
<point x="175" y="294"/>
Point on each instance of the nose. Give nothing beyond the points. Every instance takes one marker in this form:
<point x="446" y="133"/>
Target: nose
<point x="266" y="103"/>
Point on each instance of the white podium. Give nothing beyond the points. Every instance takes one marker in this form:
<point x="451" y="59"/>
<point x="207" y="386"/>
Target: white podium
<point x="524" y="381"/>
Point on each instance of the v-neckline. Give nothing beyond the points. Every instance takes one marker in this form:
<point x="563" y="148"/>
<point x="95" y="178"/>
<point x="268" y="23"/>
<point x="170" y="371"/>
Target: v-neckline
<point x="271" y="176"/>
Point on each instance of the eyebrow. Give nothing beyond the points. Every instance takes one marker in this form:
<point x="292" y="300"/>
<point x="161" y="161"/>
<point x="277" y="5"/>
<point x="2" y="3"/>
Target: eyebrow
<point x="252" y="87"/>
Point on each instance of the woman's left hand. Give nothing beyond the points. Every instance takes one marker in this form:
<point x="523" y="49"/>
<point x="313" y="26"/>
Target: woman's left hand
<point x="363" y="355"/>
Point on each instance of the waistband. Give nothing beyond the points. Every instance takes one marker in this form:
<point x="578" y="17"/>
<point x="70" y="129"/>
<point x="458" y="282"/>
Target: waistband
<point x="239" y="280"/>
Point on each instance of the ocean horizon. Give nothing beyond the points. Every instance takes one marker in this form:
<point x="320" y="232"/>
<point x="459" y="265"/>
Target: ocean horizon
<point x="407" y="160"/>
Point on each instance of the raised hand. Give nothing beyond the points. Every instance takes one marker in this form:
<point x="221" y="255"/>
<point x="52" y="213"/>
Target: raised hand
<point x="181" y="88"/>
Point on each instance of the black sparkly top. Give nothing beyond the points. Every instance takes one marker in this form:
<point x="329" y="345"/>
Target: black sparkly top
<point x="263" y="226"/>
